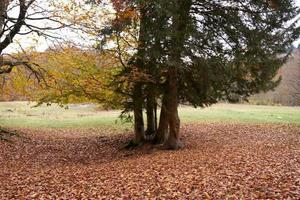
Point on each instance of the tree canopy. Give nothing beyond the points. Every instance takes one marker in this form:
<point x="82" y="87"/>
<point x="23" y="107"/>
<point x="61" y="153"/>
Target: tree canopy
<point x="201" y="52"/>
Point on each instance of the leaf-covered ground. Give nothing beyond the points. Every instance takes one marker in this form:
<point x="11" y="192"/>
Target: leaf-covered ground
<point x="219" y="161"/>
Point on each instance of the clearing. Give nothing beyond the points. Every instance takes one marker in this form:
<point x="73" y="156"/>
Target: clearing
<point x="23" y="114"/>
<point x="235" y="159"/>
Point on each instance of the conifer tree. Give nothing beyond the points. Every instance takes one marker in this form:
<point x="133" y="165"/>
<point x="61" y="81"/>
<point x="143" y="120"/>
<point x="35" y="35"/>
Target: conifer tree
<point x="201" y="52"/>
<point x="216" y="50"/>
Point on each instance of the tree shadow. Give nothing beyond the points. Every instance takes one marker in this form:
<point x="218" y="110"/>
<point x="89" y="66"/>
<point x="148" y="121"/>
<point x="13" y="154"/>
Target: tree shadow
<point x="9" y="136"/>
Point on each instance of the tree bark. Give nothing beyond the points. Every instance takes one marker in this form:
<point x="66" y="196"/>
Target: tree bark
<point x="173" y="141"/>
<point x="163" y="127"/>
<point x="16" y="27"/>
<point x="150" y="108"/>
<point x="181" y="12"/>
<point x="3" y="7"/>
<point x="139" y="129"/>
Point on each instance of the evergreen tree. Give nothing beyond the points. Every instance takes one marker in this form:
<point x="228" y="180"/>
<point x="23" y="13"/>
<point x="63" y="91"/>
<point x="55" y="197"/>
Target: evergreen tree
<point x="219" y="50"/>
<point x="201" y="52"/>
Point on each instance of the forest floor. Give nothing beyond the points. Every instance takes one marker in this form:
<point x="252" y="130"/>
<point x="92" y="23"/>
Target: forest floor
<point x="220" y="161"/>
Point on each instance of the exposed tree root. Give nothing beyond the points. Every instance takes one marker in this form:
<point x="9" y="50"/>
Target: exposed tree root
<point x="132" y="145"/>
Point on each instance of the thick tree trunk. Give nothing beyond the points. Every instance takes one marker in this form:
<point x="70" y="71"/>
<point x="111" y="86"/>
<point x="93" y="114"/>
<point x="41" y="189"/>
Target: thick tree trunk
<point x="139" y="129"/>
<point x="173" y="141"/>
<point x="163" y="127"/>
<point x="150" y="108"/>
<point x="179" y="25"/>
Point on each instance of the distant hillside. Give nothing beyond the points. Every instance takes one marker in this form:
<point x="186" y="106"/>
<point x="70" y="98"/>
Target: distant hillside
<point x="288" y="91"/>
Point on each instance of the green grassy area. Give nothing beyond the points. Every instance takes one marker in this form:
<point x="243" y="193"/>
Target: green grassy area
<point x="22" y="114"/>
<point x="242" y="113"/>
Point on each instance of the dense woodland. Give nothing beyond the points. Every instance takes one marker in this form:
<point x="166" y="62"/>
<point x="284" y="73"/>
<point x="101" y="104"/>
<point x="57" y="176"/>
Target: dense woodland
<point x="147" y="55"/>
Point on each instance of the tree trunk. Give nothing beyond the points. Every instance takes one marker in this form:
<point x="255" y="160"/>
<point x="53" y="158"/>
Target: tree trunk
<point x="150" y="107"/>
<point x="139" y="128"/>
<point x="173" y="141"/>
<point x="3" y="9"/>
<point x="138" y="114"/>
<point x="163" y="127"/>
<point x="179" y="25"/>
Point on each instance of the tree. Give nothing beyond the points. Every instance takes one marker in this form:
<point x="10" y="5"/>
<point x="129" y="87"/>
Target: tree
<point x="19" y="18"/>
<point x="216" y="50"/>
<point x="74" y="76"/>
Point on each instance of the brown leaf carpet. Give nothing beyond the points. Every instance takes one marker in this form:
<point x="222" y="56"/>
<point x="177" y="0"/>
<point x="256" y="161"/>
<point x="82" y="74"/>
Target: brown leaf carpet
<point x="220" y="161"/>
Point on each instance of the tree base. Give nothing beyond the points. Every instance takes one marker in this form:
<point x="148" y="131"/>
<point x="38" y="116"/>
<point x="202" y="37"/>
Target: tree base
<point x="133" y="144"/>
<point x="173" y="145"/>
<point x="158" y="141"/>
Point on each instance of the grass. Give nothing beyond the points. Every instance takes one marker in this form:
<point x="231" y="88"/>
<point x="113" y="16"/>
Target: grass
<point x="22" y="114"/>
<point x="242" y="113"/>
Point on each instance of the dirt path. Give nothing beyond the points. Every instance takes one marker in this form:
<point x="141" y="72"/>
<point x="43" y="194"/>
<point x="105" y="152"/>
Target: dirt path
<point x="220" y="161"/>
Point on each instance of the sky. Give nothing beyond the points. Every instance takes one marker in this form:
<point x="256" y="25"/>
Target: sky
<point x="41" y="44"/>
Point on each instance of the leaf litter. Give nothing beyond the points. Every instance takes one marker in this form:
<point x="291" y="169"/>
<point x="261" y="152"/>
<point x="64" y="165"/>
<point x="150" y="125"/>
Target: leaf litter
<point x="220" y="161"/>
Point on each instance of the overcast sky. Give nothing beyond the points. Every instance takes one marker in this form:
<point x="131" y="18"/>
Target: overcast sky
<point x="41" y="44"/>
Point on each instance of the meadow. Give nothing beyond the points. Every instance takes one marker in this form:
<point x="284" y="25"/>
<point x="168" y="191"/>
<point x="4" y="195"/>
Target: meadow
<point x="24" y="114"/>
